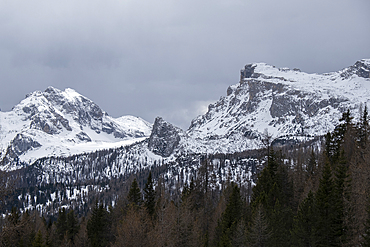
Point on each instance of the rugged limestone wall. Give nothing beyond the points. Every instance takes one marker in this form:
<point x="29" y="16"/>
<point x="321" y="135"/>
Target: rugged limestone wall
<point x="164" y="138"/>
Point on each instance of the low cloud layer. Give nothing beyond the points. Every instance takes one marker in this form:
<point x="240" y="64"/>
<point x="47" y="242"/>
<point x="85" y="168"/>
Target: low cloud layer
<point x="169" y="59"/>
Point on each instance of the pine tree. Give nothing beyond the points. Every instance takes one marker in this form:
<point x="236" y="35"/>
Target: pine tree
<point x="72" y="226"/>
<point x="265" y="181"/>
<point x="149" y="195"/>
<point x="334" y="140"/>
<point x="28" y="234"/>
<point x="311" y="166"/>
<point x="232" y="215"/>
<point x="304" y="223"/>
<point x="274" y="192"/>
<point x="366" y="234"/>
<point x="259" y="233"/>
<point x="134" y="196"/>
<point x="38" y="242"/>
<point x="325" y="230"/>
<point x="185" y="192"/>
<point x="13" y="229"/>
<point x="363" y="128"/>
<point x="342" y="210"/>
<point x="194" y="195"/>
<point x="61" y="223"/>
<point x="98" y="226"/>
<point x="14" y="217"/>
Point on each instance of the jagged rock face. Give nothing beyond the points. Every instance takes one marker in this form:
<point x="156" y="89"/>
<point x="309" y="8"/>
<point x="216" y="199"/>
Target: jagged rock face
<point x="84" y="111"/>
<point x="360" y="68"/>
<point x="247" y="72"/>
<point x="52" y="107"/>
<point x="288" y="103"/>
<point x="52" y="125"/>
<point x="45" y="110"/>
<point x="82" y="136"/>
<point x="61" y="123"/>
<point x="81" y="110"/>
<point x="164" y="138"/>
<point x="22" y="144"/>
<point x="43" y="115"/>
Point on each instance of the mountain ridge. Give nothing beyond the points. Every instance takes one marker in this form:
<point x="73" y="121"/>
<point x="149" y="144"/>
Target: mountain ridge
<point x="288" y="104"/>
<point x="284" y="102"/>
<point x="56" y="122"/>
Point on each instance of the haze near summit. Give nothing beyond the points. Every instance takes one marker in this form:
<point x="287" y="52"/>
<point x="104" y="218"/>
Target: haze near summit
<point x="170" y="59"/>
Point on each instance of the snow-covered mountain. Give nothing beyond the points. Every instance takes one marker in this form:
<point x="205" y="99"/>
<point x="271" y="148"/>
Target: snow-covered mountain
<point x="62" y="123"/>
<point x="289" y="104"/>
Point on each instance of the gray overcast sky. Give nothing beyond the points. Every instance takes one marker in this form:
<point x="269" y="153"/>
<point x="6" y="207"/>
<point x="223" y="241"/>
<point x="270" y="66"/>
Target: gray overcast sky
<point x="169" y="58"/>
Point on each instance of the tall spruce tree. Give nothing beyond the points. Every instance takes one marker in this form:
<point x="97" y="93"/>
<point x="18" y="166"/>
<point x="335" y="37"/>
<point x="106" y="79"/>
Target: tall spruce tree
<point x="149" y="195"/>
<point x="72" y="226"/>
<point x="342" y="207"/>
<point x="259" y="232"/>
<point x="303" y="231"/>
<point x="366" y="234"/>
<point x="363" y="128"/>
<point x="274" y="192"/>
<point x="265" y="181"/>
<point x="98" y="226"/>
<point x="61" y="223"/>
<point x="134" y="195"/>
<point x="311" y="165"/>
<point x="232" y="215"/>
<point x="325" y="230"/>
<point x="38" y="241"/>
<point x="334" y="140"/>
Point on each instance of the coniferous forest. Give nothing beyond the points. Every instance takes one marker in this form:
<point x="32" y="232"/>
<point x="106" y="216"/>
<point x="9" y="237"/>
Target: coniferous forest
<point x="305" y="195"/>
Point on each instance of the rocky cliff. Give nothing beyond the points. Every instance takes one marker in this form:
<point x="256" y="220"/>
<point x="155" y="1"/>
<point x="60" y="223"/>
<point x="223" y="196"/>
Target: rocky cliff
<point x="62" y="123"/>
<point x="289" y="104"/>
<point x="164" y="138"/>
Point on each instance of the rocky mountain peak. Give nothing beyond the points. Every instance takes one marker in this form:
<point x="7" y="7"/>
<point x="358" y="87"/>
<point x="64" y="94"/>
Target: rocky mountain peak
<point x="247" y="72"/>
<point x="286" y="102"/>
<point x="56" y="122"/>
<point x="42" y="113"/>
<point x="164" y="138"/>
<point x="53" y="109"/>
<point x="83" y="110"/>
<point x="361" y="68"/>
<point x="52" y="90"/>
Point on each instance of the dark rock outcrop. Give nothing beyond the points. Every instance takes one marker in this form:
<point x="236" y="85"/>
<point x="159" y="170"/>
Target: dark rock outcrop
<point x="360" y="68"/>
<point x="247" y="72"/>
<point x="164" y="138"/>
<point x="82" y="136"/>
<point x="22" y="144"/>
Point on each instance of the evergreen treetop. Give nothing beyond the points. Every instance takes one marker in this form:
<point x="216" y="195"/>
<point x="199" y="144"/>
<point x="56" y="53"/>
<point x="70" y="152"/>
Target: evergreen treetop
<point x="134" y="196"/>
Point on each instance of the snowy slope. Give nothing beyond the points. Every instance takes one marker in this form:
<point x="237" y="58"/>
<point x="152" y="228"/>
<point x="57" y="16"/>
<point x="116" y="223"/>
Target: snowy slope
<point x="61" y="123"/>
<point x="287" y="103"/>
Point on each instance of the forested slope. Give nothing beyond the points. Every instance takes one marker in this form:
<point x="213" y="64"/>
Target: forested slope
<point x="295" y="196"/>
